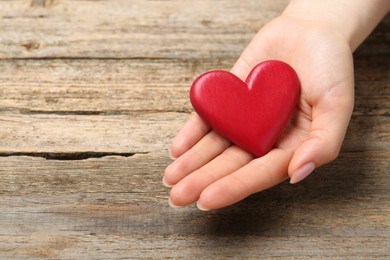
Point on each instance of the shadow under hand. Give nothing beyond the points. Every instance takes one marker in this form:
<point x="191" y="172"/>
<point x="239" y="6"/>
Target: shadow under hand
<point x="294" y="209"/>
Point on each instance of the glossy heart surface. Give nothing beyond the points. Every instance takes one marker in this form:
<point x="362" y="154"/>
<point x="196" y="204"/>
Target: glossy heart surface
<point x="251" y="114"/>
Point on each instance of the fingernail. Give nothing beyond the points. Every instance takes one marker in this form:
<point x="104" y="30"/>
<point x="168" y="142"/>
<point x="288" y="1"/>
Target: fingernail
<point x="201" y="207"/>
<point x="166" y="184"/>
<point x="302" y="173"/>
<point x="173" y="205"/>
<point x="171" y="156"/>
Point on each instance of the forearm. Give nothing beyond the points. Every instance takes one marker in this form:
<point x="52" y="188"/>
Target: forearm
<point x="354" y="19"/>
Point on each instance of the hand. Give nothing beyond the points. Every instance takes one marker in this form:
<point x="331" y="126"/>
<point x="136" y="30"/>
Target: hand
<point x="215" y="173"/>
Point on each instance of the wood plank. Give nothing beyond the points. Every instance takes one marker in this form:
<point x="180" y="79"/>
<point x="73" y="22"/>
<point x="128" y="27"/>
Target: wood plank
<point x="137" y="133"/>
<point x="142" y="173"/>
<point x="372" y="84"/>
<point x="51" y="133"/>
<point x="121" y="86"/>
<point x="117" y="246"/>
<point x="113" y="206"/>
<point x="131" y="28"/>
<point x="100" y="86"/>
<point x="128" y="29"/>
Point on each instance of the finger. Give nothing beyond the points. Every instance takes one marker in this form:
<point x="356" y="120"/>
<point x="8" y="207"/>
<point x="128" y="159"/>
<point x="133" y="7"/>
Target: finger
<point x="330" y="122"/>
<point x="189" y="135"/>
<point x="189" y="189"/>
<point x="210" y="146"/>
<point x="260" y="174"/>
<point x="250" y="57"/>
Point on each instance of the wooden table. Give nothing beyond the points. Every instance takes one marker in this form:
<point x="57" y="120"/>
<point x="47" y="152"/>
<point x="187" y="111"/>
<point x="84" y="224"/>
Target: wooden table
<point x="91" y="93"/>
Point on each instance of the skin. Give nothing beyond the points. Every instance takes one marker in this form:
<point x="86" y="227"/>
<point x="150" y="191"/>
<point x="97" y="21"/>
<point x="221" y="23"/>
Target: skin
<point x="214" y="173"/>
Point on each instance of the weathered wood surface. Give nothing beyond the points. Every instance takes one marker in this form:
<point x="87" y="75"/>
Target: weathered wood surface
<point x="127" y="29"/>
<point x="91" y="92"/>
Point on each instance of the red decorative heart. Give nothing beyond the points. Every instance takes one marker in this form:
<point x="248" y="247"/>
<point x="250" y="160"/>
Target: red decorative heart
<point x="251" y="114"/>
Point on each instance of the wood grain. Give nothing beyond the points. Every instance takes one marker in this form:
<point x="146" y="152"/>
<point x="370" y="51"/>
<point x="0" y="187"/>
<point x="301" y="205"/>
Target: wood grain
<point x="163" y="29"/>
<point x="86" y="86"/>
<point x="72" y="208"/>
<point x="133" y="133"/>
<point x="91" y="93"/>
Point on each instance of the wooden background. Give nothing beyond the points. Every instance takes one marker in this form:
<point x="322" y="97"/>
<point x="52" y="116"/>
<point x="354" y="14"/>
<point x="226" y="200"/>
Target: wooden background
<point x="91" y="93"/>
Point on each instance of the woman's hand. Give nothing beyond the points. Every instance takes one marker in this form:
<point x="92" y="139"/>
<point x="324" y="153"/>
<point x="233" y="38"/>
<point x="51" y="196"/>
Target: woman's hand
<point x="215" y="173"/>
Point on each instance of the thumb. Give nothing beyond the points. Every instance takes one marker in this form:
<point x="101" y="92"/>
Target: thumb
<point x="331" y="116"/>
<point x="250" y="57"/>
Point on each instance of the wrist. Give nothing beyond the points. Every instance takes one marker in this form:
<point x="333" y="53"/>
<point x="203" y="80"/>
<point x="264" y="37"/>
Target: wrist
<point x="354" y="20"/>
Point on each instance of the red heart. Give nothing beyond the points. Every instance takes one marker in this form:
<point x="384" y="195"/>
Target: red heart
<point x="251" y="114"/>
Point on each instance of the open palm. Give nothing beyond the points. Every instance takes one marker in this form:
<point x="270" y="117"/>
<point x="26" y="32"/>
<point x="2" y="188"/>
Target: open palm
<point x="216" y="173"/>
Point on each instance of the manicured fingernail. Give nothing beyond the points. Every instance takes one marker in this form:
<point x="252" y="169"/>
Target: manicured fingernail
<point x="173" y="205"/>
<point x="166" y="184"/>
<point x="302" y="173"/>
<point x="201" y="207"/>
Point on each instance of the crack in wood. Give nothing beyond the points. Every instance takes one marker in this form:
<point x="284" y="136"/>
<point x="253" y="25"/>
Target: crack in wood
<point x="25" y="111"/>
<point x="71" y="156"/>
<point x="135" y="58"/>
